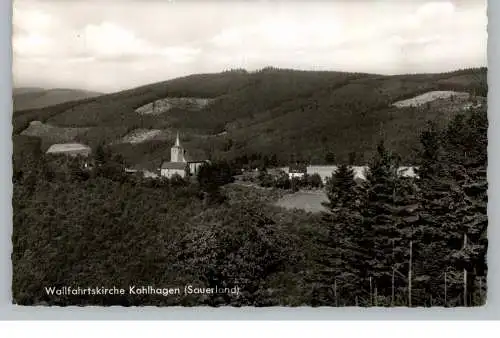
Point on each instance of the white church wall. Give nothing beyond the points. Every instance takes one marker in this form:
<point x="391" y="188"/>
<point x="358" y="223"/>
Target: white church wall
<point x="171" y="172"/>
<point x="194" y="167"/>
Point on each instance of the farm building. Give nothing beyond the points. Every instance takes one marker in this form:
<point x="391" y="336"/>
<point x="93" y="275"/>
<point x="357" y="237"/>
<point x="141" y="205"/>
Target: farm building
<point x="359" y="171"/>
<point x="297" y="171"/>
<point x="72" y="149"/>
<point x="326" y="171"/>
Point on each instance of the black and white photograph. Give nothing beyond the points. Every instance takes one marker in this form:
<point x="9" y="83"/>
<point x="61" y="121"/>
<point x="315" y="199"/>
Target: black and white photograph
<point x="250" y="153"/>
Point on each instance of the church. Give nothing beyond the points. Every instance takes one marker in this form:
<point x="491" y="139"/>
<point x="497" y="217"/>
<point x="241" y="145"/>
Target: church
<point x="180" y="163"/>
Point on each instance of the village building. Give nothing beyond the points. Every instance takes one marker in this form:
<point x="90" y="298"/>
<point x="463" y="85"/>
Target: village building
<point x="180" y="162"/>
<point x="170" y="169"/>
<point x="297" y="171"/>
<point x="326" y="171"/>
<point x="72" y="149"/>
<point x="142" y="171"/>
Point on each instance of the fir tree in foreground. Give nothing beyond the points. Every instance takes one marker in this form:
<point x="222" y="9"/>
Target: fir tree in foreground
<point x="388" y="216"/>
<point x="453" y="215"/>
<point x="344" y="258"/>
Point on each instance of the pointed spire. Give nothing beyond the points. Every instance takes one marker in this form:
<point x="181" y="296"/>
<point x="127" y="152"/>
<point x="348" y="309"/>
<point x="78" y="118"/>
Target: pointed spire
<point x="177" y="141"/>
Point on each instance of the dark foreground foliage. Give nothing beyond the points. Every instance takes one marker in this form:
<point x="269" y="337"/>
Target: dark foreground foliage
<point x="406" y="241"/>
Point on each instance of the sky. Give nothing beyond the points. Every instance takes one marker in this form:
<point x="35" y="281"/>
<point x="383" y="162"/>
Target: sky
<point x="111" y="45"/>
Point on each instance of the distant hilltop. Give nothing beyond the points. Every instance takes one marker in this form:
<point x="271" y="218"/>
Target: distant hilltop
<point x="31" y="97"/>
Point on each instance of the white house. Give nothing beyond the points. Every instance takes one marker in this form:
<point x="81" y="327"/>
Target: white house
<point x="297" y="171"/>
<point x="326" y="171"/>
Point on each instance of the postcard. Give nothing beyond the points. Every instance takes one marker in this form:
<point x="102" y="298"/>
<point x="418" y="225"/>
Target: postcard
<point x="250" y="153"/>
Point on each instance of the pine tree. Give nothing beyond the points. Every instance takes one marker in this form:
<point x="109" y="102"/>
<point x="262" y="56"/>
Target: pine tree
<point x="378" y="210"/>
<point x="435" y="199"/>
<point x="453" y="199"/>
<point x="344" y="258"/>
<point x="387" y="217"/>
<point x="467" y="156"/>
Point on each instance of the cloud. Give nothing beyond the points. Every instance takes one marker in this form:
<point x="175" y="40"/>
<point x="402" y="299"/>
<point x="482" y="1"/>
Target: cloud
<point x="435" y="10"/>
<point x="103" y="41"/>
<point x="27" y="20"/>
<point x="106" y="45"/>
<point x="180" y="54"/>
<point x="281" y="33"/>
<point x="110" y="40"/>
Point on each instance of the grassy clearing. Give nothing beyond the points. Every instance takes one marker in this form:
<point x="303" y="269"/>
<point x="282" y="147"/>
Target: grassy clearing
<point x="53" y="134"/>
<point x="306" y="200"/>
<point x="142" y="135"/>
<point x="164" y="105"/>
<point x="431" y="96"/>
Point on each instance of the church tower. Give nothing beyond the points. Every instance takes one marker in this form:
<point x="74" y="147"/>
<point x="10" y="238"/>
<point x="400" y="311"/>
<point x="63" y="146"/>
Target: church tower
<point x="177" y="152"/>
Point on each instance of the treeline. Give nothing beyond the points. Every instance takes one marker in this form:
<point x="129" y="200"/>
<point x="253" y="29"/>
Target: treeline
<point x="281" y="180"/>
<point x="32" y="167"/>
<point x="411" y="241"/>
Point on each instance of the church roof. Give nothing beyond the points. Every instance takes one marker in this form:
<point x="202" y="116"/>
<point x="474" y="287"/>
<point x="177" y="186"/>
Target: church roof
<point x="197" y="161"/>
<point x="174" y="165"/>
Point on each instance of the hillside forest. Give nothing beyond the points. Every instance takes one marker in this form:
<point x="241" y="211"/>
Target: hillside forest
<point x="386" y="241"/>
<point x="271" y="115"/>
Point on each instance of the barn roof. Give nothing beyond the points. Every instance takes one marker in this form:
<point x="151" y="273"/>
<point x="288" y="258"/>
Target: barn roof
<point x="70" y="149"/>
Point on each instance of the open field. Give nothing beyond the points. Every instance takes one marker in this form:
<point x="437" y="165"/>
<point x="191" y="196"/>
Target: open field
<point x="53" y="134"/>
<point x="142" y="135"/>
<point x="305" y="200"/>
<point x="164" y="105"/>
<point x="431" y="96"/>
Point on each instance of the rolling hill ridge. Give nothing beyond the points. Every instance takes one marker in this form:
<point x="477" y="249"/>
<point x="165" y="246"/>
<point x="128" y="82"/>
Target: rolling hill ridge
<point x="34" y="98"/>
<point x="294" y="115"/>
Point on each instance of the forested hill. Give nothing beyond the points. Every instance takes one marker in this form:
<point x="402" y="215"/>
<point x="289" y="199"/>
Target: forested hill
<point x="35" y="98"/>
<point x="295" y="115"/>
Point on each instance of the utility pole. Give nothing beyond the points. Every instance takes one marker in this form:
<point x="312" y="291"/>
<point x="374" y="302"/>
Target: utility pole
<point x="409" y="275"/>
<point x="465" y="274"/>
<point x="445" y="291"/>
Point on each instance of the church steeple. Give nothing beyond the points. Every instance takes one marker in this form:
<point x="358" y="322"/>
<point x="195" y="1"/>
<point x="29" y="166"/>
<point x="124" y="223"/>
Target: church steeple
<point x="177" y="141"/>
<point x="177" y="153"/>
